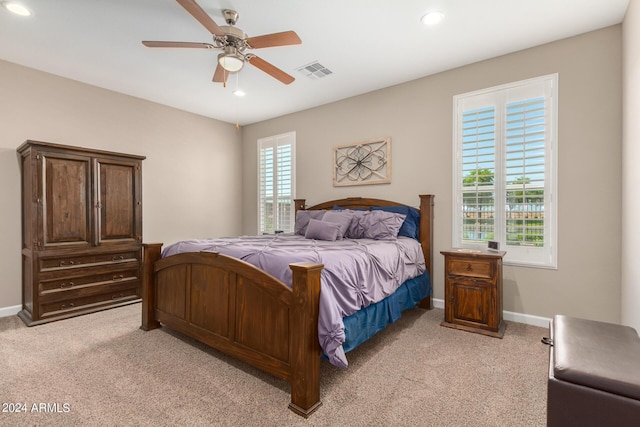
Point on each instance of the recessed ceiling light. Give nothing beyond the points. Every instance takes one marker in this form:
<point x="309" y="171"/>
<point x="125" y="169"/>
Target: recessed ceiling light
<point x="16" y="8"/>
<point x="432" y="18"/>
<point x="239" y="92"/>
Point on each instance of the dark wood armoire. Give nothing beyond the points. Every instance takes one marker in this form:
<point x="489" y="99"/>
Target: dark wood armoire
<point x="81" y="230"/>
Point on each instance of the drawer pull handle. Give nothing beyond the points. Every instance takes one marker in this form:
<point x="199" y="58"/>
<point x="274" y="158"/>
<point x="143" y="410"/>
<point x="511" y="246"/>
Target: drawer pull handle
<point x="71" y="263"/>
<point x="117" y="258"/>
<point x="469" y="267"/>
<point x="120" y="277"/>
<point x="66" y="285"/>
<point x="70" y="305"/>
<point x="116" y="296"/>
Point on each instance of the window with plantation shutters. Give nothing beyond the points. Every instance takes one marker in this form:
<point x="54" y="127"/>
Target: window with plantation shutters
<point x="504" y="170"/>
<point x="276" y="183"/>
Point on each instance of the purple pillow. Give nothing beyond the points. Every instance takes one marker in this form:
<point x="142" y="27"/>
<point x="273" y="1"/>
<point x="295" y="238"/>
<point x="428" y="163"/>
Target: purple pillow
<point x="381" y="225"/>
<point x="356" y="230"/>
<point x="302" y="220"/>
<point x="322" y="230"/>
<point x="411" y="225"/>
<point x="342" y="218"/>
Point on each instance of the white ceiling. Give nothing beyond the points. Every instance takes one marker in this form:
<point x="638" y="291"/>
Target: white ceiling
<point x="367" y="44"/>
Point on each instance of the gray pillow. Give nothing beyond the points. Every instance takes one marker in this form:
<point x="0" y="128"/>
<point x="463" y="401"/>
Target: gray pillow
<point x="381" y="225"/>
<point x="322" y="230"/>
<point x="342" y="218"/>
<point x="302" y="220"/>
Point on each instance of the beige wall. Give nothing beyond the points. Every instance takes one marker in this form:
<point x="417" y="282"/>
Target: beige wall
<point x="418" y="117"/>
<point x="630" y="169"/>
<point x="188" y="157"/>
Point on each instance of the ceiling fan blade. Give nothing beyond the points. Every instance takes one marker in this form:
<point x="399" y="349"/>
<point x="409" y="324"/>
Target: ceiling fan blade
<point x="284" y="38"/>
<point x="270" y="69"/>
<point x="178" y="44"/>
<point x="201" y="16"/>
<point x="219" y="75"/>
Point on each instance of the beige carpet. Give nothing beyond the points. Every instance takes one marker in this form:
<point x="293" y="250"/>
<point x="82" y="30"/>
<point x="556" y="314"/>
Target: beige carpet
<point x="102" y="370"/>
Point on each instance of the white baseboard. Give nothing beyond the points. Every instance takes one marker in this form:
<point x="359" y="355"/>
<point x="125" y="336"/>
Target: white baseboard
<point x="437" y="303"/>
<point x="10" y="311"/>
<point x="527" y="319"/>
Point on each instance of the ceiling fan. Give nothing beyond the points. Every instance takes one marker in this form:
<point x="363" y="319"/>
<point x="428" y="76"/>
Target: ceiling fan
<point x="234" y="44"/>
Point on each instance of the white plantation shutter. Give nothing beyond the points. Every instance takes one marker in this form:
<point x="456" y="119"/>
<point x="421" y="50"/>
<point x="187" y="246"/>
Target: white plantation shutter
<point x="284" y="183"/>
<point x="478" y="174"/>
<point x="525" y="172"/>
<point x="504" y="170"/>
<point x="276" y="183"/>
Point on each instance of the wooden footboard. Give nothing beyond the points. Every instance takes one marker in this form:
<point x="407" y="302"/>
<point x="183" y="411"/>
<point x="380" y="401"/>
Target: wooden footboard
<point x="242" y="311"/>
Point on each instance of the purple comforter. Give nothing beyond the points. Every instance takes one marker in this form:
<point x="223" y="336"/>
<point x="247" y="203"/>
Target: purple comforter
<point x="357" y="272"/>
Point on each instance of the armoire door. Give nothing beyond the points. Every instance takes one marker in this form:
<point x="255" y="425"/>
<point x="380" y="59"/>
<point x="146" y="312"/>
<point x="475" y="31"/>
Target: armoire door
<point x="119" y="207"/>
<point x="64" y="200"/>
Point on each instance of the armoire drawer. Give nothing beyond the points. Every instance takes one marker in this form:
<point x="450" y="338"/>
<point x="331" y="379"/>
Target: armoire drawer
<point x="72" y="282"/>
<point x="76" y="261"/>
<point x="90" y="302"/>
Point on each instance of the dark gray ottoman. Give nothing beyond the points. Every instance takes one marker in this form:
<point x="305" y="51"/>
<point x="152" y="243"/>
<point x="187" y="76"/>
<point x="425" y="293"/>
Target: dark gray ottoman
<point x="594" y="374"/>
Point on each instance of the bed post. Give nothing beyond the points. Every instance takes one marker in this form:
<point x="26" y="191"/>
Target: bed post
<point x="426" y="239"/>
<point x="305" y="348"/>
<point x="150" y="254"/>
<point x="300" y="204"/>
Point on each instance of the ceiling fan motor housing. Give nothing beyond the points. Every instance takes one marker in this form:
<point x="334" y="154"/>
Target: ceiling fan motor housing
<point x="233" y="32"/>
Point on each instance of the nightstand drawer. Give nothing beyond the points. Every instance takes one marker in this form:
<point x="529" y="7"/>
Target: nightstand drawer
<point x="470" y="267"/>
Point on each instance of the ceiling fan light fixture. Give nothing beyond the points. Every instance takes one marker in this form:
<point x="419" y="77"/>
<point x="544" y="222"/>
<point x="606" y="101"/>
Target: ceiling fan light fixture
<point x="16" y="8"/>
<point x="432" y="18"/>
<point x="230" y="60"/>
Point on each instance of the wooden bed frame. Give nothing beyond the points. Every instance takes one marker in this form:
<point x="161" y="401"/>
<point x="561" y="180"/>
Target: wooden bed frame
<point x="240" y="310"/>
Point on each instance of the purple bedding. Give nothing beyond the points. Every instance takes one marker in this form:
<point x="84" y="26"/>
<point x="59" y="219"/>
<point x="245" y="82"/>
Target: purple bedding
<point x="357" y="272"/>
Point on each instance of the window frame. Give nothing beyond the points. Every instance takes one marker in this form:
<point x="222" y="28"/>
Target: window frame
<point x="276" y="141"/>
<point x="499" y="97"/>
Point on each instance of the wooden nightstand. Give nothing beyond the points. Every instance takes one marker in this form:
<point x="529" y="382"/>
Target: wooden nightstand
<point x="473" y="291"/>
